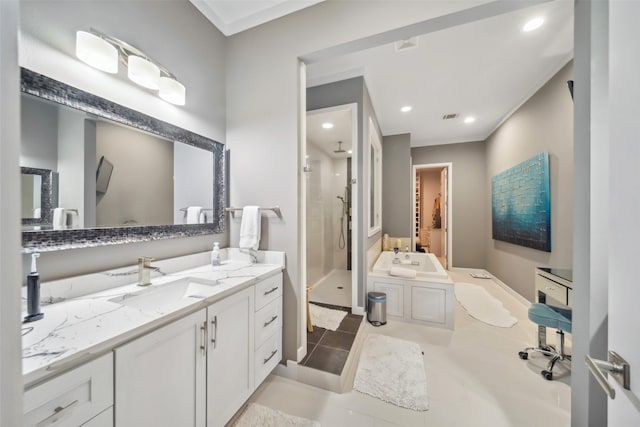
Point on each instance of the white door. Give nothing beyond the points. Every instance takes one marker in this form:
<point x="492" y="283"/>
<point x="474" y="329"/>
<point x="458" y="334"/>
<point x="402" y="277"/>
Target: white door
<point x="230" y="356"/>
<point x="624" y="143"/>
<point x="624" y="211"/>
<point x="160" y="377"/>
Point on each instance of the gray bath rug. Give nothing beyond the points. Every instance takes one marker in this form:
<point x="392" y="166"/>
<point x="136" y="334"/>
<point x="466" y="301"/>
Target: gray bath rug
<point x="256" y="415"/>
<point x="392" y="370"/>
<point x="483" y="306"/>
<point x="325" y="317"/>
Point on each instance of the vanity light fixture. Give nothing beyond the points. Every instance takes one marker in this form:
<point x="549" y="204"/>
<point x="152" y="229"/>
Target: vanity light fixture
<point x="469" y="119"/>
<point x="327" y="125"/>
<point x="406" y="108"/>
<point x="533" y="24"/>
<point x="104" y="52"/>
<point x="97" y="52"/>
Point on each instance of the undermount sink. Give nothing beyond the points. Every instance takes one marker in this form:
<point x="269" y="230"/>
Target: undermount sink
<point x="157" y="296"/>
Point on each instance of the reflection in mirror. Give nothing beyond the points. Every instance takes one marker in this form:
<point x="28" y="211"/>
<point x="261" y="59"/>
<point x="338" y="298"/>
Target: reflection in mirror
<point x="375" y="180"/>
<point x="123" y="174"/>
<point x="38" y="196"/>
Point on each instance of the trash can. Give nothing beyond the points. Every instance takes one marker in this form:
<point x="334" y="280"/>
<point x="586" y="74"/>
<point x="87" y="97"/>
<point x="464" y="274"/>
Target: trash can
<point x="377" y="308"/>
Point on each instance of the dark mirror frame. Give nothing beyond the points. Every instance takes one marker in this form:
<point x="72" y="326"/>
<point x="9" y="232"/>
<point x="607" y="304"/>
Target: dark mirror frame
<point x="52" y="90"/>
<point x="46" y="196"/>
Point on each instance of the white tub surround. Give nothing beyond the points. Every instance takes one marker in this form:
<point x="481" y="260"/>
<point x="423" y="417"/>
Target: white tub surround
<point x="426" y="265"/>
<point x="427" y="299"/>
<point x="82" y="327"/>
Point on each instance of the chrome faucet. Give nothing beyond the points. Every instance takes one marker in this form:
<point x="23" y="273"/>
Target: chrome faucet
<point x="144" y="270"/>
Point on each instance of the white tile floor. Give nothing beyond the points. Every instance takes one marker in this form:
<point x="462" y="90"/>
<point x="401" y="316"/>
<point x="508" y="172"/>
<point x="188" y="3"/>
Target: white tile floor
<point x="327" y="291"/>
<point x="474" y="379"/>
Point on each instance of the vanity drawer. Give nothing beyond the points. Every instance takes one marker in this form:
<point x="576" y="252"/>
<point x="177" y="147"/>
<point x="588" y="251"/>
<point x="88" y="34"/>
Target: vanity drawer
<point x="551" y="289"/>
<point x="268" y="290"/>
<point x="268" y="321"/>
<point x="268" y="355"/>
<point x="72" y="398"/>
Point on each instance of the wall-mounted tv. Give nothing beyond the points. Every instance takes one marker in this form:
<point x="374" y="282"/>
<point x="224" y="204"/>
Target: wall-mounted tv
<point x="103" y="175"/>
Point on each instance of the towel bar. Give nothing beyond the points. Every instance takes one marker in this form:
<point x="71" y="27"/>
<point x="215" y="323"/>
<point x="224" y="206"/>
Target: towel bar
<point x="275" y="209"/>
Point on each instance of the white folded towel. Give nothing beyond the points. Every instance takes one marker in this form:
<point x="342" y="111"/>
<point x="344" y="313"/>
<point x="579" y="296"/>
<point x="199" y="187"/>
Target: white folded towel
<point x="250" y="228"/>
<point x="59" y="218"/>
<point x="194" y="215"/>
<point x="402" y="272"/>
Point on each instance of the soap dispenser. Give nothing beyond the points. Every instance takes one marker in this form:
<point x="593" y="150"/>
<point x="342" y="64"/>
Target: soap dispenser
<point x="33" y="292"/>
<point x="215" y="254"/>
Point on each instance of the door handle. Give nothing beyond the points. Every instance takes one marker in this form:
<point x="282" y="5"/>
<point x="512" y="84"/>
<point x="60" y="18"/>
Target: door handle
<point x="214" y="336"/>
<point x="616" y="366"/>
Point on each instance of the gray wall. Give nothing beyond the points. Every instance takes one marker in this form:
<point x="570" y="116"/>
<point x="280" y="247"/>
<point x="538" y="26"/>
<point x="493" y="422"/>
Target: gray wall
<point x="396" y="176"/>
<point x="141" y="186"/>
<point x="469" y="198"/>
<point x="543" y="123"/>
<point x="47" y="46"/>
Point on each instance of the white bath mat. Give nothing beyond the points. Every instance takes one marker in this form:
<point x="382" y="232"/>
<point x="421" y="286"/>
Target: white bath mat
<point x="483" y="306"/>
<point x="325" y="317"/>
<point x="392" y="370"/>
<point x="261" y="416"/>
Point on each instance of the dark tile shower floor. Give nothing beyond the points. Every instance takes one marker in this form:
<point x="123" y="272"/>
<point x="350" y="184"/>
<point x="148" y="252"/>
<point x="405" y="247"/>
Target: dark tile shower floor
<point x="328" y="350"/>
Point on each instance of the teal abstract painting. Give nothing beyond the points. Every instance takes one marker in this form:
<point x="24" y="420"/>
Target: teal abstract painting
<point x="521" y="204"/>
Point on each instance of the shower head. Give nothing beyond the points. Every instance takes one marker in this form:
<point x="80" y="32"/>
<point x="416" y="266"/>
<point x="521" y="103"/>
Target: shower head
<point x="339" y="150"/>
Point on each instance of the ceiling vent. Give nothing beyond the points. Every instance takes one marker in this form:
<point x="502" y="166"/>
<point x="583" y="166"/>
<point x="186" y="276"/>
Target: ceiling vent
<point x="406" y="44"/>
<point x="450" y="116"/>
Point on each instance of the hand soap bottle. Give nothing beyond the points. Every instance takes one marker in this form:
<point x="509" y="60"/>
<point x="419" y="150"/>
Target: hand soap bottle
<point x="215" y="254"/>
<point x="33" y="292"/>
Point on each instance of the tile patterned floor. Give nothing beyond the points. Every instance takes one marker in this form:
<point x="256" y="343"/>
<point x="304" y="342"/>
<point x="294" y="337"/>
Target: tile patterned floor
<point x="474" y="379"/>
<point x="328" y="350"/>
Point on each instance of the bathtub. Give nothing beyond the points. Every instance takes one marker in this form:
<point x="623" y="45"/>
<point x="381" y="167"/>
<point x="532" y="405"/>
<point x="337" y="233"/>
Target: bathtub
<point x="428" y="299"/>
<point x="425" y="264"/>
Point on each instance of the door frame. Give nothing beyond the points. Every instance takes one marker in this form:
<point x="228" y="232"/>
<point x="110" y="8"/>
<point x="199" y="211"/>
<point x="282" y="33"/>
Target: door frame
<point x="448" y="210"/>
<point x="355" y="205"/>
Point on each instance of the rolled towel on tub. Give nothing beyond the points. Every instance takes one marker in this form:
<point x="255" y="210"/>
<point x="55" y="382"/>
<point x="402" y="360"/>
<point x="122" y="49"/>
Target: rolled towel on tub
<point x="402" y="272"/>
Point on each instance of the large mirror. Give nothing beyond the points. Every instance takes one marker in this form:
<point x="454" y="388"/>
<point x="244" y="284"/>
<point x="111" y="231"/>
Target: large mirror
<point x="117" y="172"/>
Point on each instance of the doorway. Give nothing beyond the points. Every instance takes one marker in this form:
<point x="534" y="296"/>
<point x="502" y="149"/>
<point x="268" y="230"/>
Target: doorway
<point x="432" y="211"/>
<point x="330" y="211"/>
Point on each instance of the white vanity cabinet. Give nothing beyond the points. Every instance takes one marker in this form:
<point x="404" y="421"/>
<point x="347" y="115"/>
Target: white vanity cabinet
<point x="199" y="370"/>
<point x="80" y="397"/>
<point x="230" y="379"/>
<point x="160" y="378"/>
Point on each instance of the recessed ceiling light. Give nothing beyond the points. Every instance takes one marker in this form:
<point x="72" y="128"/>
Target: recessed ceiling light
<point x="327" y="125"/>
<point x="350" y="152"/>
<point x="470" y="119"/>
<point x="534" y="24"/>
<point x="406" y="108"/>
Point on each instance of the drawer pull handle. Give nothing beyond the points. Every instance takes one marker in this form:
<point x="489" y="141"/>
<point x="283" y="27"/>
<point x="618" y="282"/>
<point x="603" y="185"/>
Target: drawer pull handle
<point x="58" y="413"/>
<point x="273" y="319"/>
<point x="214" y="336"/>
<point x="550" y="288"/>
<point x="271" y="290"/>
<point x="273" y="353"/>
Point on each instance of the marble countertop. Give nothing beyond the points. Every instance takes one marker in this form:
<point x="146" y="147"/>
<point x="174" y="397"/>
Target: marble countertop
<point x="79" y="329"/>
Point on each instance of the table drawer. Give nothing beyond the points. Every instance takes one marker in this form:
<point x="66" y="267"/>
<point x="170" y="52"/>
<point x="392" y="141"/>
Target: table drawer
<point x="72" y="398"/>
<point x="552" y="289"/>
<point x="268" y="355"/>
<point x="268" y="290"/>
<point x="268" y="321"/>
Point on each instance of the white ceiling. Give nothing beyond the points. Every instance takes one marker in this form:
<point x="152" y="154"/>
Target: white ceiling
<point x="234" y="16"/>
<point x="485" y="69"/>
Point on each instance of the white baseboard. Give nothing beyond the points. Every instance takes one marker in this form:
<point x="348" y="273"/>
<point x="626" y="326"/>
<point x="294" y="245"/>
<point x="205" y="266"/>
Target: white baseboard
<point x="500" y="283"/>
<point x="301" y="353"/>
<point x="358" y="310"/>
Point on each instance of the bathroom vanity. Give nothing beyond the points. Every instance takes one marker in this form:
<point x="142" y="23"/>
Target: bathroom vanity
<point x="187" y="350"/>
